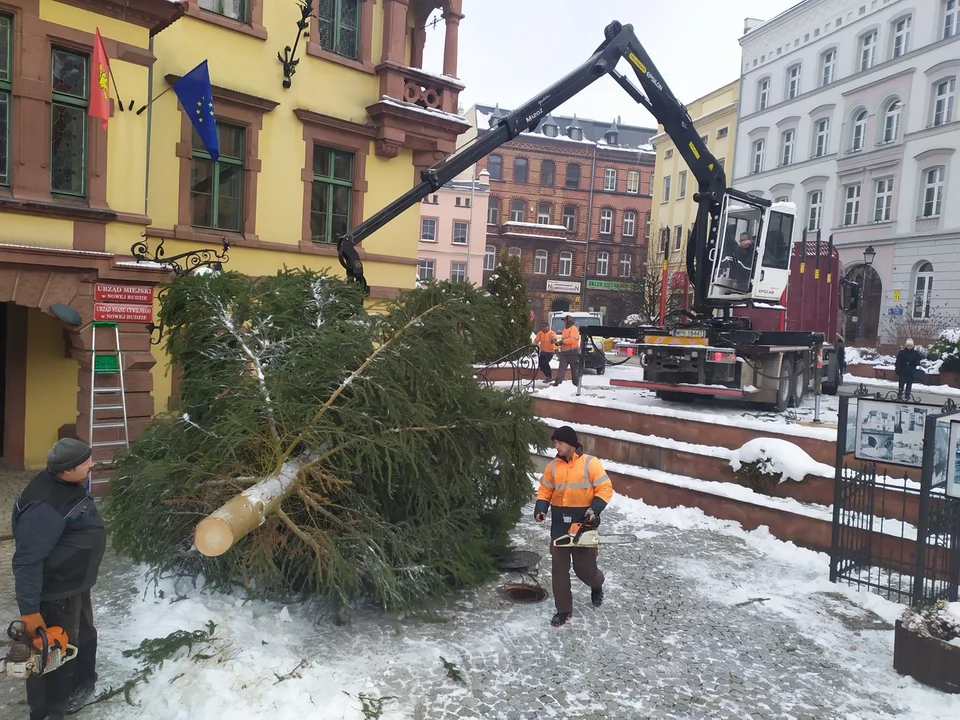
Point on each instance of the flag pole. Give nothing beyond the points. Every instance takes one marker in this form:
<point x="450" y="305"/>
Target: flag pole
<point x="147" y="104"/>
<point x="115" y="88"/>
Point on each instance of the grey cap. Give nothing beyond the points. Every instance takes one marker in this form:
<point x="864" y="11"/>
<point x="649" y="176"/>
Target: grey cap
<point x="67" y="454"/>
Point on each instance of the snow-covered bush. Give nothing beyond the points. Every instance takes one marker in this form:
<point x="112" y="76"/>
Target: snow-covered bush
<point x="763" y="463"/>
<point x="945" y="349"/>
<point x="941" y="621"/>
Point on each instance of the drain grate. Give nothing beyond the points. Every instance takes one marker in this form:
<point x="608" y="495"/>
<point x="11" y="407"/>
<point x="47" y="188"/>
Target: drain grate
<point x="524" y="593"/>
<point x="520" y="561"/>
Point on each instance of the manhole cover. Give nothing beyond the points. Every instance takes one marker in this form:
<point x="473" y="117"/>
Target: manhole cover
<point x="520" y="561"/>
<point x="524" y="593"/>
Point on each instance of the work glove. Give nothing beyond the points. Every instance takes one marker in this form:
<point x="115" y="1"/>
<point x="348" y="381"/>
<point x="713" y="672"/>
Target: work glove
<point x="590" y="518"/>
<point x="31" y="622"/>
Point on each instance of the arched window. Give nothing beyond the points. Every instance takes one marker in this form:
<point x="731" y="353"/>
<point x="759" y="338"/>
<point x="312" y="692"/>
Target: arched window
<point x="891" y="121"/>
<point x="606" y="221"/>
<point x="603" y="263"/>
<point x="566" y="264"/>
<point x="922" y="291"/>
<point x="489" y="257"/>
<point x="493" y="211"/>
<point x="859" y="131"/>
<point x="540" y="258"/>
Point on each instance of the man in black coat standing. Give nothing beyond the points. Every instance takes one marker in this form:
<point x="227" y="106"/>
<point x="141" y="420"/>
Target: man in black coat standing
<point x="908" y="360"/>
<point x="60" y="540"/>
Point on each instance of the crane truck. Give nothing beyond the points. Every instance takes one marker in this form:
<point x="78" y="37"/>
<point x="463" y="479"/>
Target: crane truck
<point x="730" y="341"/>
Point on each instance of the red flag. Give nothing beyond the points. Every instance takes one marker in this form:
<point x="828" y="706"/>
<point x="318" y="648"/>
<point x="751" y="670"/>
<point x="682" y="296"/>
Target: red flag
<point x="100" y="82"/>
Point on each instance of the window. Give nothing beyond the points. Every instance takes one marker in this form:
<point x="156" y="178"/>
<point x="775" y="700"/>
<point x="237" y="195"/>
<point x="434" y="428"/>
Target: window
<point x="668" y="153"/>
<point x="868" y="50"/>
<point x="851" y="205"/>
<point x="550" y="130"/>
<point x="606" y="221"/>
<point x="515" y="252"/>
<point x="652" y="184"/>
<point x="493" y="211"/>
<point x="629" y="223"/>
<point x="901" y="36"/>
<point x="722" y="132"/>
<point x="610" y="179"/>
<point x="540" y="259"/>
<point x="633" y="182"/>
<point x="233" y="9"/>
<point x="570" y="217"/>
<point x="516" y="211"/>
<point x="460" y="232"/>
<point x="666" y="189"/>
<point x="548" y="171"/>
<point x="495" y="167"/>
<point x="603" y="263"/>
<point x="6" y="67"/>
<point x="664" y="239"/>
<point x="757" y="165"/>
<point x="814" y="209"/>
<point x="519" y="170"/>
<point x="932" y="192"/>
<point x="859" y="131"/>
<point x="786" y="147"/>
<point x="216" y="188"/>
<point x="922" y="291"/>
<point x="793" y="82"/>
<point x="626" y="265"/>
<point x="683" y="185"/>
<point x="944" y="93"/>
<point x="572" y="177"/>
<point x="489" y="257"/>
<point x="543" y="214"/>
<point x="458" y="272"/>
<point x="883" y="204"/>
<point x="782" y="198"/>
<point x="576" y="133"/>
<point x="339" y="26"/>
<point x="677" y="237"/>
<point x="951" y="18"/>
<point x="828" y="67"/>
<point x="566" y="264"/>
<point x="68" y="118"/>
<point x="891" y="121"/>
<point x="428" y="229"/>
<point x="763" y="94"/>
<point x="425" y="270"/>
<point x="822" y="139"/>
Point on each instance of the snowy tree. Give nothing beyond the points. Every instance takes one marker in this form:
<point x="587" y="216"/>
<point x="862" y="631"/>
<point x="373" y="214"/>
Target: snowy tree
<point x="346" y="455"/>
<point x="509" y="289"/>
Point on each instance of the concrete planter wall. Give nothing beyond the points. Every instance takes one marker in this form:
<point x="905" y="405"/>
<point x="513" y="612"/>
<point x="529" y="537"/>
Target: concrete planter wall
<point x="927" y="660"/>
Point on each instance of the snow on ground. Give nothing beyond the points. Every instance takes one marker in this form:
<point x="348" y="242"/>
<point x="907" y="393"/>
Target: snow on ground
<point x="780" y="457"/>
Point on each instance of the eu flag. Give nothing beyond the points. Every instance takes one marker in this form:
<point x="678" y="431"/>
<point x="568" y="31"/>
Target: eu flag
<point x="196" y="97"/>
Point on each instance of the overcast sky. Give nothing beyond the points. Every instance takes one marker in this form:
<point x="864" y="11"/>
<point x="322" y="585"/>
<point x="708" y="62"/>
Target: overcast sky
<point x="511" y="50"/>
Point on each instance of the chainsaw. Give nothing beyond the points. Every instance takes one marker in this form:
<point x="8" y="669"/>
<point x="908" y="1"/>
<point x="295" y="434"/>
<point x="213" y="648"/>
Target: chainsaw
<point x="28" y="657"/>
<point x="582" y="535"/>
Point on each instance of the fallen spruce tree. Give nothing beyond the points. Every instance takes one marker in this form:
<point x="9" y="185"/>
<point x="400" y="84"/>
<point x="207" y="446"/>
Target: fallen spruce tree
<point x="319" y="450"/>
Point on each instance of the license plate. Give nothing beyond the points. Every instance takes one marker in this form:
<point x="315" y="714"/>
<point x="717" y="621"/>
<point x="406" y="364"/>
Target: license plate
<point x="698" y="333"/>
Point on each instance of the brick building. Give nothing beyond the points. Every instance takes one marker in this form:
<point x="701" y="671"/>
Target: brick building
<point x="572" y="199"/>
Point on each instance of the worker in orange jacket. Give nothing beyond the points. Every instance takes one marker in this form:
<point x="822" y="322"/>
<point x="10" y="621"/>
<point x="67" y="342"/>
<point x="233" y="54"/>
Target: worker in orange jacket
<point x="578" y="489"/>
<point x="569" y="351"/>
<point x="546" y="340"/>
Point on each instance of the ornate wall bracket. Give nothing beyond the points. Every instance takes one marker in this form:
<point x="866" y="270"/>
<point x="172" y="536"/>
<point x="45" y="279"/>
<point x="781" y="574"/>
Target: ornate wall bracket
<point x="192" y="259"/>
<point x="289" y="58"/>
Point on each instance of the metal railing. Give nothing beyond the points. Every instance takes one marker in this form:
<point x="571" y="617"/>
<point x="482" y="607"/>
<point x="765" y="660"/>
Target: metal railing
<point x="524" y="364"/>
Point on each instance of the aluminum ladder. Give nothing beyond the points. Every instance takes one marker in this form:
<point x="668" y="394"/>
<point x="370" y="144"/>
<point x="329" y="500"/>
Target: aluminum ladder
<point x="108" y="365"/>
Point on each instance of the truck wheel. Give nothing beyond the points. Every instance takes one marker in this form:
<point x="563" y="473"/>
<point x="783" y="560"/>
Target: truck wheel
<point x="800" y="379"/>
<point x="784" y="389"/>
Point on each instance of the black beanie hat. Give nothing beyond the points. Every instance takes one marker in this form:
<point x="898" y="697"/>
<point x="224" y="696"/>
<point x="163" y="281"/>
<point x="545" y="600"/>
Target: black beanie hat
<point x="66" y="455"/>
<point x="566" y="434"/>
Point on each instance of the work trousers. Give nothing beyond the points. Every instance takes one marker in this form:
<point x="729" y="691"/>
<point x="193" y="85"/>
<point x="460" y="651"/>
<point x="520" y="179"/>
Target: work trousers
<point x="571" y="358"/>
<point x="908" y="382"/>
<point x="545" y="358"/>
<point x="584" y="565"/>
<point x="47" y="695"/>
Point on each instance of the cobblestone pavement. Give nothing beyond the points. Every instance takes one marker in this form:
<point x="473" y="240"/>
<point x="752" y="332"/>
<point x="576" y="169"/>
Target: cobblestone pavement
<point x="12" y="482"/>
<point x="697" y="623"/>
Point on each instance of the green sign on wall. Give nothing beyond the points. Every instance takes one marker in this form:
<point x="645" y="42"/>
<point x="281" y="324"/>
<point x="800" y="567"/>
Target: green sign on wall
<point x="612" y="285"/>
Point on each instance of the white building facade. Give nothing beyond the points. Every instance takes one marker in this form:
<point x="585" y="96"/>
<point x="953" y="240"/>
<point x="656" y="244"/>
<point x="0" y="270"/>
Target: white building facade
<point x="850" y="110"/>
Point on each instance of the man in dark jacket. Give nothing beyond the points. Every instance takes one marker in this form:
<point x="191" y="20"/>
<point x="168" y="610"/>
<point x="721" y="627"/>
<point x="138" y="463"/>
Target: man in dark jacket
<point x="60" y="540"/>
<point x="908" y="360"/>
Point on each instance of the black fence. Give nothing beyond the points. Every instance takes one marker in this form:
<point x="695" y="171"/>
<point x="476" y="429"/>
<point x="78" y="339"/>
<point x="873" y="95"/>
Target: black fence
<point x="522" y="366"/>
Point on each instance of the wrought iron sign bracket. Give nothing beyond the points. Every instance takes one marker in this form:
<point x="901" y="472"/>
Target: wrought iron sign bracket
<point x="289" y="58"/>
<point x="192" y="259"/>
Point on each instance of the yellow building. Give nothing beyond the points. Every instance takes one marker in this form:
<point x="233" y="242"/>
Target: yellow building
<point x="673" y="210"/>
<point x="303" y="157"/>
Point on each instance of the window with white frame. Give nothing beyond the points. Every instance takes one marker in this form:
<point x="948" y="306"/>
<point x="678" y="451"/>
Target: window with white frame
<point x="666" y="189"/>
<point x="626" y="265"/>
<point x="566" y="264"/>
<point x="682" y="190"/>
<point x="851" y="204"/>
<point x="425" y="269"/>
<point x="922" y="291"/>
<point x="633" y="182"/>
<point x="814" y="209"/>
<point x="428" y="229"/>
<point x="757" y="164"/>
<point x="489" y="257"/>
<point x="458" y="272"/>
<point x="821" y="137"/>
<point x="763" y="94"/>
<point x="677" y="237"/>
<point x="543" y="214"/>
<point x="603" y="263"/>
<point x="932" y="192"/>
<point x="515" y="252"/>
<point x="901" y="35"/>
<point x="610" y="179"/>
<point x="793" y="82"/>
<point x="891" y="121"/>
<point x="629" y="223"/>
<point x="786" y="147"/>
<point x="540" y="258"/>
<point x="828" y="67"/>
<point x="859" y="132"/>
<point x="606" y="221"/>
<point x="570" y="217"/>
<point x="493" y="211"/>
<point x="883" y="200"/>
<point x="868" y="50"/>
<point x="951" y="18"/>
<point x="516" y="211"/>
<point x="460" y="231"/>
<point x="944" y="97"/>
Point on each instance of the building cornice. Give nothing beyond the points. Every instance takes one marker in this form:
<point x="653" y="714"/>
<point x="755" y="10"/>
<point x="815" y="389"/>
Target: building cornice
<point x="156" y="15"/>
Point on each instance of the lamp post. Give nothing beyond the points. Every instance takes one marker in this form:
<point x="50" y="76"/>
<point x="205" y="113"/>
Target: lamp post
<point x="869" y="255"/>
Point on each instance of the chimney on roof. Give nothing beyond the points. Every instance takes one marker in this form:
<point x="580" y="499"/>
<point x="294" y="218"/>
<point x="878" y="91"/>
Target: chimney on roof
<point x="751" y="23"/>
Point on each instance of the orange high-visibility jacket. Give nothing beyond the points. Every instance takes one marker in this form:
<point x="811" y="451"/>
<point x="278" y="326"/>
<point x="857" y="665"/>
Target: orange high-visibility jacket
<point x="546" y="341"/>
<point x="570" y="339"/>
<point x="571" y="487"/>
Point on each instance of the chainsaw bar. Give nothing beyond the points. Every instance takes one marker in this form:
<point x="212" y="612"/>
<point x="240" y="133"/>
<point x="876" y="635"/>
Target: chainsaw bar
<point x="592" y="538"/>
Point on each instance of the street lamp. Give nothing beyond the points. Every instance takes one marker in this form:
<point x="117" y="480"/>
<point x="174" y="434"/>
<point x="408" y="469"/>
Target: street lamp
<point x="869" y="255"/>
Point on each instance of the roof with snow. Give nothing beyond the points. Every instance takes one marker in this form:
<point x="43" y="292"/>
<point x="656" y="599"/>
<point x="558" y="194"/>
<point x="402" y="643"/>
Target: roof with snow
<point x="610" y="133"/>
